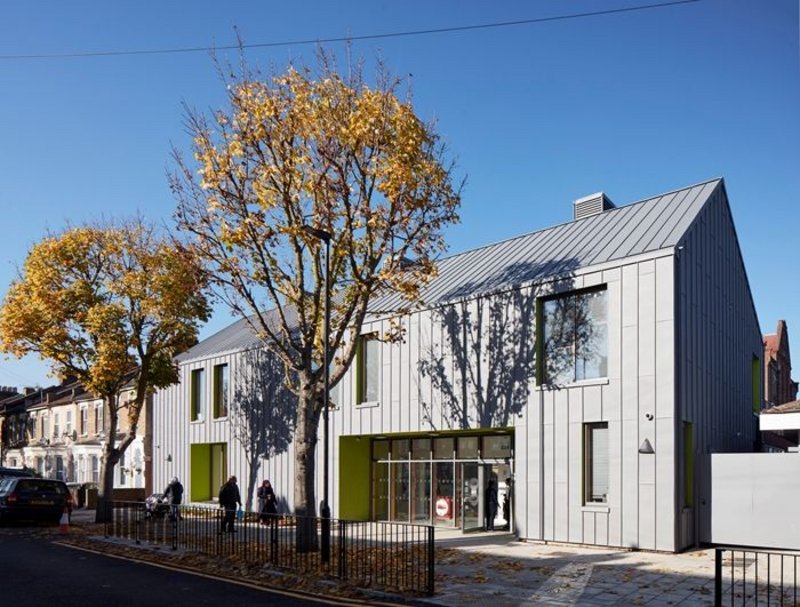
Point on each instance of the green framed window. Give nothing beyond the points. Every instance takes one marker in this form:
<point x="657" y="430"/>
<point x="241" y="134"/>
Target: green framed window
<point x="221" y="390"/>
<point x="197" y="399"/>
<point x="755" y="370"/>
<point x="688" y="462"/>
<point x="574" y="343"/>
<point x="368" y="368"/>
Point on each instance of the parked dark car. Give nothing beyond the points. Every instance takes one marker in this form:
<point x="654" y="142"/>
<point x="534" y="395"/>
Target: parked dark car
<point x="33" y="499"/>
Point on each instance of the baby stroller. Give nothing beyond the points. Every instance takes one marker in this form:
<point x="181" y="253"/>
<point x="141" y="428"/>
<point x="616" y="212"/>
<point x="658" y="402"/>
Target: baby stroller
<point x="155" y="507"/>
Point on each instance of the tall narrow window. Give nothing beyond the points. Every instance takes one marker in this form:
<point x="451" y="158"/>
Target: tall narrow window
<point x="56" y="426"/>
<point x="122" y="469"/>
<point x="595" y="466"/>
<point x="575" y="337"/>
<point x="221" y="391"/>
<point x="688" y="463"/>
<point x="68" y="423"/>
<point x="98" y="418"/>
<point x="367" y="368"/>
<point x="197" y="400"/>
<point x="95" y="469"/>
<point x="756" y="379"/>
<point x="84" y="420"/>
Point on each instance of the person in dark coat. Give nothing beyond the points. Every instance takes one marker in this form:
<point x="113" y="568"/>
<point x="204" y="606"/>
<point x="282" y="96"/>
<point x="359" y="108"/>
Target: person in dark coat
<point x="267" y="503"/>
<point x="173" y="495"/>
<point x="490" y="505"/>
<point x="229" y="499"/>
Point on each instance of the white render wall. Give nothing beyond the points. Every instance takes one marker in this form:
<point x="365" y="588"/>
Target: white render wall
<point x="753" y="498"/>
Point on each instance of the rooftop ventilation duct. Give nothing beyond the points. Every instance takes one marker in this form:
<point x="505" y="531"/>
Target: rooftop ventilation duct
<point x="594" y="204"/>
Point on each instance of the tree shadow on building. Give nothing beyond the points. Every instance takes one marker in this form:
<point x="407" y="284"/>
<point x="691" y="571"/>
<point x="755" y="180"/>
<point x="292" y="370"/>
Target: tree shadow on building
<point x="483" y="370"/>
<point x="262" y="411"/>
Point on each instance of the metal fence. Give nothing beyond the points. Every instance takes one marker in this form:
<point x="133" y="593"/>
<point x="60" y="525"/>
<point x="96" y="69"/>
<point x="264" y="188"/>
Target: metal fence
<point x="395" y="557"/>
<point x="753" y="576"/>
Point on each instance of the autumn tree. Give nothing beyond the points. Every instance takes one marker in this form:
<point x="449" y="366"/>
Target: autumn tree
<point x="109" y="306"/>
<point x="321" y="149"/>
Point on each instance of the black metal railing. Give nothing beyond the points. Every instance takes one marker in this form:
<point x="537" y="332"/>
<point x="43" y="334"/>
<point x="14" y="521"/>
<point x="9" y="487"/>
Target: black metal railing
<point x="395" y="557"/>
<point x="755" y="576"/>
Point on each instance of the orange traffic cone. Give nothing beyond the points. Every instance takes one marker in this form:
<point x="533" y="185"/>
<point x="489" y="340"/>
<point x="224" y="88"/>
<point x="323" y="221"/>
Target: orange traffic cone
<point x="63" y="525"/>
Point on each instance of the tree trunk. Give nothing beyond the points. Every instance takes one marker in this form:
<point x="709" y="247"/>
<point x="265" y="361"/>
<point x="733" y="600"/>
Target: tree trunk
<point x="253" y="466"/>
<point x="108" y="461"/>
<point x="305" y="466"/>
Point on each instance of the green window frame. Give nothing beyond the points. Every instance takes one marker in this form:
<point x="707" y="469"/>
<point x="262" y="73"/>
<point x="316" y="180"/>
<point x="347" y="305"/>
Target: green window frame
<point x="755" y="371"/>
<point x="221" y="390"/>
<point x="368" y="369"/>
<point x="573" y="336"/>
<point x="688" y="463"/>
<point x="196" y="394"/>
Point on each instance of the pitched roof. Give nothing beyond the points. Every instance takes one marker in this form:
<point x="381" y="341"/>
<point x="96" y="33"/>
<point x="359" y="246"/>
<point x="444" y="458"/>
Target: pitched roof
<point x="642" y="227"/>
<point x="233" y="338"/>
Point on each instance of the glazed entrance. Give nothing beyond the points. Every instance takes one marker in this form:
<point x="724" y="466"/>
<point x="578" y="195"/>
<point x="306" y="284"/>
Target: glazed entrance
<point x="449" y="481"/>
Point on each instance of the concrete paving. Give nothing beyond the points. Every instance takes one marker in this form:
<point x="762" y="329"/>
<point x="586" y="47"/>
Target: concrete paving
<point x="496" y="569"/>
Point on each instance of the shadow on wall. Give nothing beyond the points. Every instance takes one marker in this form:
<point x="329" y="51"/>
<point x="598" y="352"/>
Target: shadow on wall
<point x="262" y="412"/>
<point x="485" y="365"/>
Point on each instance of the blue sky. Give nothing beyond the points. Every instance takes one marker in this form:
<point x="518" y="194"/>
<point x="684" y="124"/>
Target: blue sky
<point x="536" y="115"/>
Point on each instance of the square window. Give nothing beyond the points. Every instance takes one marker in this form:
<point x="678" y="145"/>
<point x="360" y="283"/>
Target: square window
<point x="574" y="329"/>
<point x="443" y="448"/>
<point x="496" y="446"/>
<point x="467" y="447"/>
<point x="421" y="448"/>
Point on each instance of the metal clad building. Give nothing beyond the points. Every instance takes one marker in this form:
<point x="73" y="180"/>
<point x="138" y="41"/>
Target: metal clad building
<point x="565" y="379"/>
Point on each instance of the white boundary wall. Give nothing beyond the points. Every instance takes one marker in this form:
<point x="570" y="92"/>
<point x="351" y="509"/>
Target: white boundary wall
<point x="755" y="498"/>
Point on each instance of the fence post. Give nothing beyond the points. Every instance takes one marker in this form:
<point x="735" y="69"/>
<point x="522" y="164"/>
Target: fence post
<point x="342" y="550"/>
<point x="430" y="560"/>
<point x="718" y="577"/>
<point x="138" y="524"/>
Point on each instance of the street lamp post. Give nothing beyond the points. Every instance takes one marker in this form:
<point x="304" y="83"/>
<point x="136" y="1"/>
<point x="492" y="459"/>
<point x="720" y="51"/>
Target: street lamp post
<point x="325" y="509"/>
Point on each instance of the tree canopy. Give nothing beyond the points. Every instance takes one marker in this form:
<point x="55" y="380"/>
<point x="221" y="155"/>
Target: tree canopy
<point x="328" y="151"/>
<point x="109" y="306"/>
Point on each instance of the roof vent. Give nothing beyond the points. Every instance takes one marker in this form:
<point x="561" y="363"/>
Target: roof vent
<point x="593" y="204"/>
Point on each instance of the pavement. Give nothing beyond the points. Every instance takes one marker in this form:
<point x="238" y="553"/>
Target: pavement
<point x="497" y="569"/>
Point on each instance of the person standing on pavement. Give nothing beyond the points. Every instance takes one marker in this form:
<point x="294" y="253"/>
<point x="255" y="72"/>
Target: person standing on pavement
<point x="490" y="509"/>
<point x="173" y="495"/>
<point x="229" y="499"/>
<point x="267" y="504"/>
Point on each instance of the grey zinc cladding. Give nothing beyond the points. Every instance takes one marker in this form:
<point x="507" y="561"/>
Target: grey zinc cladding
<point x="234" y="338"/>
<point x="634" y="229"/>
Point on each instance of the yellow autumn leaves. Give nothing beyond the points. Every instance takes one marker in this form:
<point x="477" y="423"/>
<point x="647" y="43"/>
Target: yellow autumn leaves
<point x="95" y="299"/>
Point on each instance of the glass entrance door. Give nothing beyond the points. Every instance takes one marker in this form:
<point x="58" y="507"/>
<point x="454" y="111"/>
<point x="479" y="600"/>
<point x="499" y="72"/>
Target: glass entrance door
<point x="472" y="482"/>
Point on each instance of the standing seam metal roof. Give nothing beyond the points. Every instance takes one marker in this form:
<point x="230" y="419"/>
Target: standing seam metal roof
<point x="634" y="229"/>
<point x="641" y="227"/>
